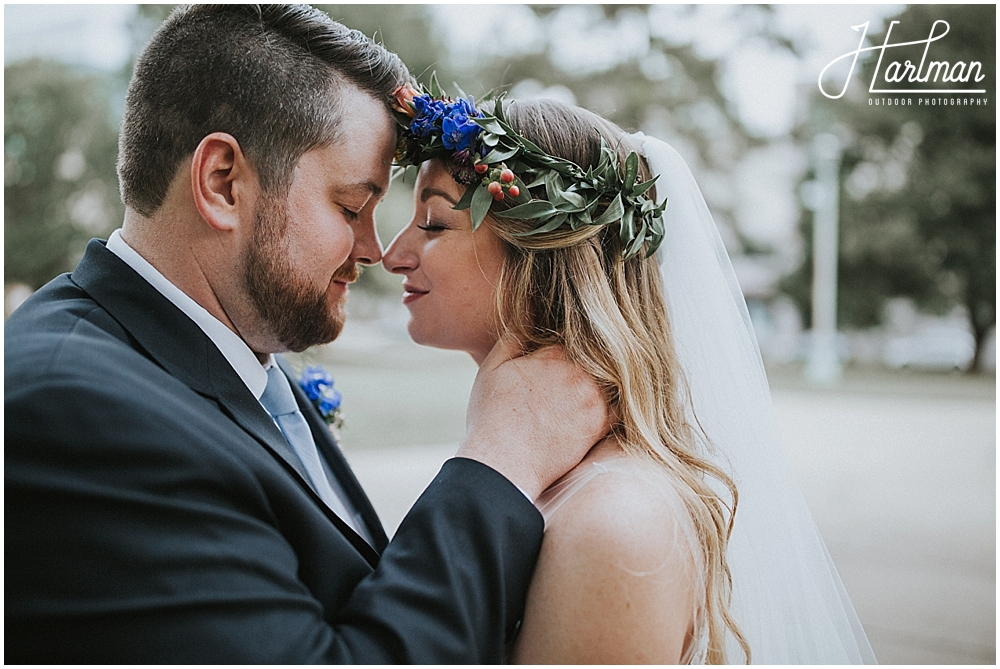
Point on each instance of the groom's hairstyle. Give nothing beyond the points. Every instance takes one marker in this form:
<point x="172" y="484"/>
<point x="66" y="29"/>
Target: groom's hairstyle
<point x="268" y="75"/>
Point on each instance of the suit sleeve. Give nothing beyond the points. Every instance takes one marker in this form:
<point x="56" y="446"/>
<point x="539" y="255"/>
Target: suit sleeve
<point x="468" y="524"/>
<point x="136" y="532"/>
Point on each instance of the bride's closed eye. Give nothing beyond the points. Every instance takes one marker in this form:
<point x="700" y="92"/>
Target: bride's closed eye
<point x="433" y="226"/>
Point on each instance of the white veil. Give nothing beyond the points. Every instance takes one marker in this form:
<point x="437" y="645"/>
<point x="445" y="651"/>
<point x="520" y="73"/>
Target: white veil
<point x="788" y="600"/>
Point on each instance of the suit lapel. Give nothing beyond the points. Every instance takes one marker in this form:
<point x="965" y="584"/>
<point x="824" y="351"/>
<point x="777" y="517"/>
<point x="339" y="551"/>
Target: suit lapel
<point x="253" y="419"/>
<point x="330" y="450"/>
<point x="178" y="345"/>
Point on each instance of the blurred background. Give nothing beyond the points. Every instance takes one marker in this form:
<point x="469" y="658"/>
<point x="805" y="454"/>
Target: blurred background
<point x="881" y="358"/>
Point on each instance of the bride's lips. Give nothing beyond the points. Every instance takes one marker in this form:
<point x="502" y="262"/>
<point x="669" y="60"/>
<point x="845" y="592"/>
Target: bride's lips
<point x="411" y="293"/>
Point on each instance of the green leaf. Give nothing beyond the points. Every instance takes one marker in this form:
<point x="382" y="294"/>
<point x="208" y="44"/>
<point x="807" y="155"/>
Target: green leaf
<point x="654" y="243"/>
<point x="612" y="213"/>
<point x="574" y="198"/>
<point x="637" y="242"/>
<point x="435" y="88"/>
<point x="627" y="229"/>
<point x="656" y="225"/>
<point x="481" y="201"/>
<point x="529" y="145"/>
<point x="490" y="124"/>
<point x="648" y="206"/>
<point x="533" y="209"/>
<point x="553" y="186"/>
<point x="639" y="189"/>
<point x="607" y="158"/>
<point x="498" y="108"/>
<point x="466" y="200"/>
<point x="631" y="169"/>
<point x="498" y="154"/>
<point x="489" y="139"/>
<point x="569" y="207"/>
<point x="552" y="224"/>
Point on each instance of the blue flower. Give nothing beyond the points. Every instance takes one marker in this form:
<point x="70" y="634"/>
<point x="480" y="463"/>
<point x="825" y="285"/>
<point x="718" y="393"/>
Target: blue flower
<point x="428" y="116"/>
<point x="330" y="404"/>
<point x="425" y="105"/>
<point x="449" y="119"/>
<point x="457" y="132"/>
<point x="463" y="106"/>
<point x="317" y="384"/>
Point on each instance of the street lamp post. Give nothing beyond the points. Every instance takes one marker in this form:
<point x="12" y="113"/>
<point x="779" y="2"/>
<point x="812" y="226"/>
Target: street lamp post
<point x="823" y="363"/>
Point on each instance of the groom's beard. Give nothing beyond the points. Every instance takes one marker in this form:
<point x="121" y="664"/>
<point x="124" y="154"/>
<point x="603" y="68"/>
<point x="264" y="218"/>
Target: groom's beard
<point x="297" y="313"/>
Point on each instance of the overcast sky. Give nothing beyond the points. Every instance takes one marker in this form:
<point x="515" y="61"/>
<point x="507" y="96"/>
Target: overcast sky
<point x="89" y="35"/>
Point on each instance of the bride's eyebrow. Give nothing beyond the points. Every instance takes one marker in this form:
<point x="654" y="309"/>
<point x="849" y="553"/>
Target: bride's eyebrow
<point x="428" y="193"/>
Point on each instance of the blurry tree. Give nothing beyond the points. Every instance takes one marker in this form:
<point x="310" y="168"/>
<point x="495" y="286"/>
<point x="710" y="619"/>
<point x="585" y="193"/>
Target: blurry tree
<point x="658" y="83"/>
<point x="60" y="186"/>
<point x="664" y="86"/>
<point x="918" y="212"/>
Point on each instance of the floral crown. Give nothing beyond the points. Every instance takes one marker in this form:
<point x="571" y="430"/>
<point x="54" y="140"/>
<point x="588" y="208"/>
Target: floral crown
<point x="496" y="164"/>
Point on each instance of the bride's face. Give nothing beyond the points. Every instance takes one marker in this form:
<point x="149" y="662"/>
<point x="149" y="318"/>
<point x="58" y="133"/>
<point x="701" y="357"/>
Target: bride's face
<point x="450" y="271"/>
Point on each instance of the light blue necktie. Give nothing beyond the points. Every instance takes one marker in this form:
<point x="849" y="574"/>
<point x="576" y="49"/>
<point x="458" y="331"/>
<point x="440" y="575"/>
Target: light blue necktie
<point x="280" y="403"/>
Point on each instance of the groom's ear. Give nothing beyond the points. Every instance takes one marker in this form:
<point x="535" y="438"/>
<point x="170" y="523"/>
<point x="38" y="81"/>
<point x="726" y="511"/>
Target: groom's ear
<point x="223" y="183"/>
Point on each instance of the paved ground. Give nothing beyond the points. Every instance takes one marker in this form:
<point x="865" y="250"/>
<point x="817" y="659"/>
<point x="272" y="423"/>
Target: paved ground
<point x="899" y="471"/>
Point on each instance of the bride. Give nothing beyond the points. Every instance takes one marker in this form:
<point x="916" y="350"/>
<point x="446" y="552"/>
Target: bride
<point x="681" y="537"/>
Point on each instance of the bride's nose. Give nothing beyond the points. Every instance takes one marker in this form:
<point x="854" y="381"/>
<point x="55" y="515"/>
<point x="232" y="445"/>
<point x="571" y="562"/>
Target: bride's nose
<point x="400" y="257"/>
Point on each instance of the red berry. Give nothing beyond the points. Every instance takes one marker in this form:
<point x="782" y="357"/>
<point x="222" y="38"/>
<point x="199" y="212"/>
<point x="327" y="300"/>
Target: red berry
<point x="481" y="168"/>
<point x="506" y="176"/>
<point x="495" y="189"/>
<point x="498" y="196"/>
<point x="514" y="191"/>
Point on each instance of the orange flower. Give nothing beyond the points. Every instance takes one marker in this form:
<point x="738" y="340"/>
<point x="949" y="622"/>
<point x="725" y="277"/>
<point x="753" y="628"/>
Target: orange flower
<point x="404" y="100"/>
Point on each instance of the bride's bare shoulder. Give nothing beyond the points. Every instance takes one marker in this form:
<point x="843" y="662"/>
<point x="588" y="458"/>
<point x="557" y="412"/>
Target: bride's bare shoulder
<point x="616" y="579"/>
<point x="631" y="510"/>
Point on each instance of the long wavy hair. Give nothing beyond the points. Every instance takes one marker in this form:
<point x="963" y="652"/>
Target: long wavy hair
<point x="571" y="289"/>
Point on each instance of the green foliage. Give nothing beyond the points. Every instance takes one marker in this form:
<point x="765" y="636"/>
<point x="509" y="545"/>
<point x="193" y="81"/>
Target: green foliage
<point x="60" y="186"/>
<point x="918" y="212"/>
<point x="671" y="92"/>
<point x="572" y="195"/>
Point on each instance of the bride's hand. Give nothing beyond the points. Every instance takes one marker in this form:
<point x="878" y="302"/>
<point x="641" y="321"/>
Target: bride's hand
<point x="532" y="417"/>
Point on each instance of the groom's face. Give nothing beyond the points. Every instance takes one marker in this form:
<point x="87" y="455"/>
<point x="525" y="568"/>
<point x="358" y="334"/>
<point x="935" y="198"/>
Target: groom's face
<point x="305" y="248"/>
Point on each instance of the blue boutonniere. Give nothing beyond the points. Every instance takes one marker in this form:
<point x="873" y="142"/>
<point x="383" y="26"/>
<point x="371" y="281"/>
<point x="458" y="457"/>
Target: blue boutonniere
<point x="318" y="386"/>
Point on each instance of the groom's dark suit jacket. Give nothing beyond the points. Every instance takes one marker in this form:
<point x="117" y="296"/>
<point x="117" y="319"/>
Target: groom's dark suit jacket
<point x="154" y="513"/>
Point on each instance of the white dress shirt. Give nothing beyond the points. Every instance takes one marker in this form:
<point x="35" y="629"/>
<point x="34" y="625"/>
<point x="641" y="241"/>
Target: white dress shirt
<point x="234" y="349"/>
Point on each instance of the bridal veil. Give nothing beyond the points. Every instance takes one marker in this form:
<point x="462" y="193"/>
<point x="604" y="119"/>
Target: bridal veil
<point x="788" y="600"/>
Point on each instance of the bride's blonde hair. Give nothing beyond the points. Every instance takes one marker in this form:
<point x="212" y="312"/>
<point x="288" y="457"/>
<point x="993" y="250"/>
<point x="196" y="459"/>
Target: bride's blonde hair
<point x="571" y="289"/>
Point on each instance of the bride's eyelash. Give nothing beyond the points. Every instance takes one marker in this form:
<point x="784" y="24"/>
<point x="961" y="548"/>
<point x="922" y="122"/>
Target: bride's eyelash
<point x="432" y="226"/>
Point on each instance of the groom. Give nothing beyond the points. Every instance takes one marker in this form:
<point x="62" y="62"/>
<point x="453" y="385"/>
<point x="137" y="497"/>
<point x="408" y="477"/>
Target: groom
<point x="170" y="495"/>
